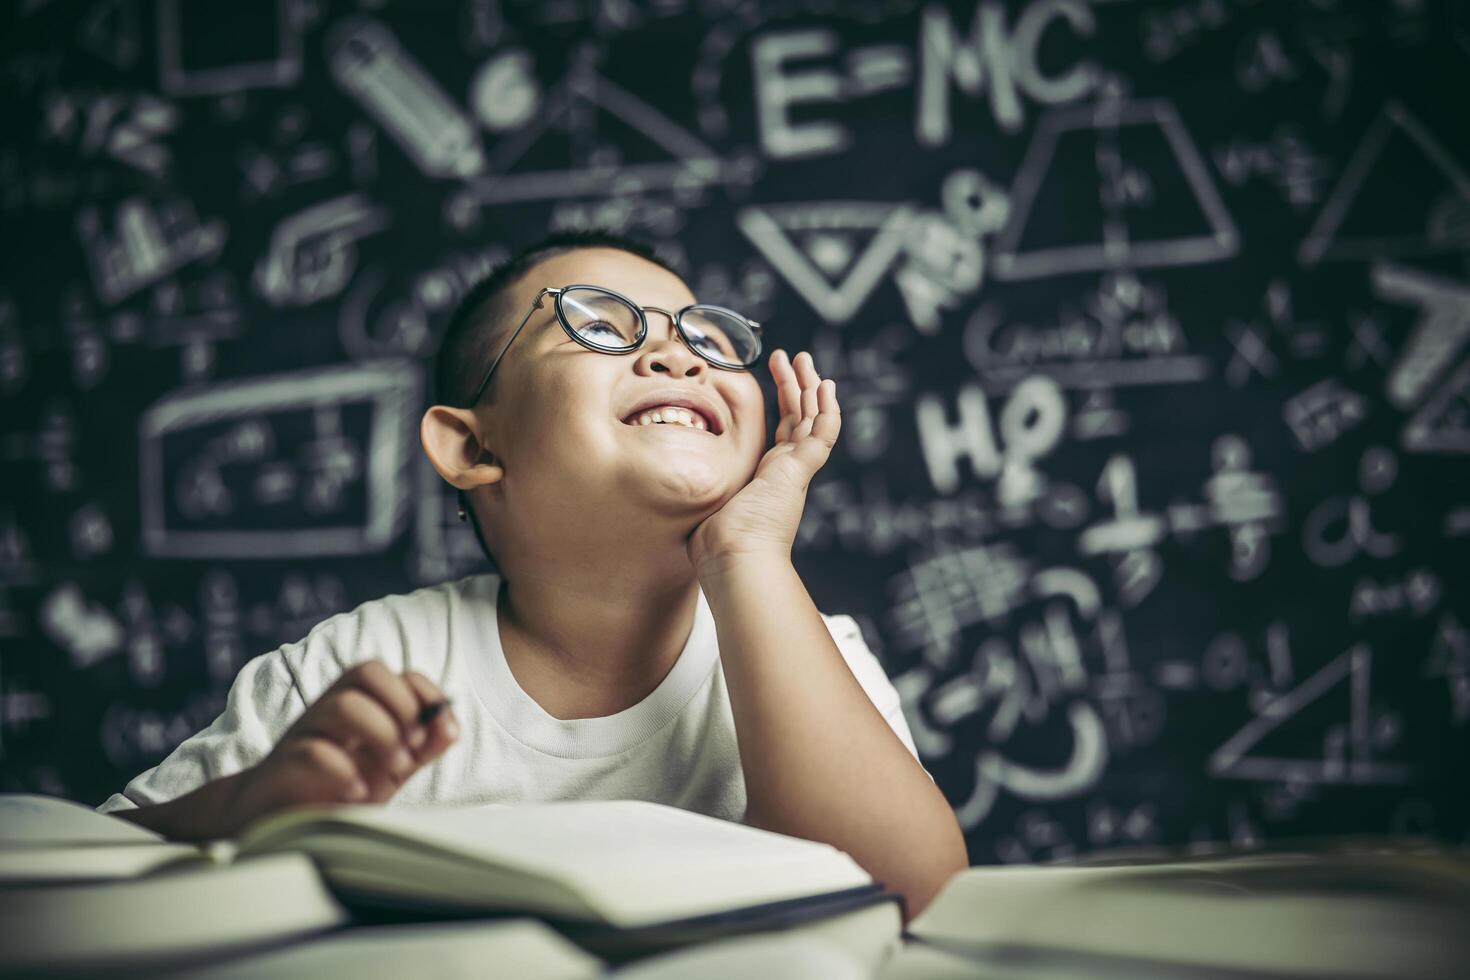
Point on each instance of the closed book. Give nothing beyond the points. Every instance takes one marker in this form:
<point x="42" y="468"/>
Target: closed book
<point x="1324" y="911"/>
<point x="49" y="839"/>
<point x="520" y="947"/>
<point x="191" y="912"/>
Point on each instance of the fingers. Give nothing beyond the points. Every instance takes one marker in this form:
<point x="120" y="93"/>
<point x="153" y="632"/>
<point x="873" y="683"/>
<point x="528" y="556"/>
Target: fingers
<point x="356" y="743"/>
<point x="372" y="713"/>
<point x="806" y="373"/>
<point x="395" y="694"/>
<point x="828" y="421"/>
<point x="320" y="771"/>
<point x="788" y="395"/>
<point x="357" y="722"/>
<point x="444" y="729"/>
<point x="808" y="404"/>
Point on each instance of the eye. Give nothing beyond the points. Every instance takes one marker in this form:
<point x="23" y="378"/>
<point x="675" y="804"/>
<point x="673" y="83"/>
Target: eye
<point x="707" y="341"/>
<point x="603" y="326"/>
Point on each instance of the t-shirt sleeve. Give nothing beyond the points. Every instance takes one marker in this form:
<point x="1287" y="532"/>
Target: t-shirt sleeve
<point x="274" y="689"/>
<point x="870" y="674"/>
<point x="269" y="694"/>
<point x="263" y="702"/>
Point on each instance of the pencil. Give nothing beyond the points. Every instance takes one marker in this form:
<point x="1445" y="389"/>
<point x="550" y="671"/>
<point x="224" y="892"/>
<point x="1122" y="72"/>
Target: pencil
<point x="431" y="711"/>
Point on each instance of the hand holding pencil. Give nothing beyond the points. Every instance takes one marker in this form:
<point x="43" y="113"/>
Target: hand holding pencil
<point x="358" y="743"/>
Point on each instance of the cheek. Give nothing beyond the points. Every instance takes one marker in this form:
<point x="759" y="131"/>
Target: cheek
<point x="749" y="399"/>
<point x="754" y="435"/>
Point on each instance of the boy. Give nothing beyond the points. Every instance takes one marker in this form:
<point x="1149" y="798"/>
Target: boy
<point x="617" y="471"/>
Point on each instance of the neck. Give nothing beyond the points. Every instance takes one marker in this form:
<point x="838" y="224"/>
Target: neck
<point x="589" y="639"/>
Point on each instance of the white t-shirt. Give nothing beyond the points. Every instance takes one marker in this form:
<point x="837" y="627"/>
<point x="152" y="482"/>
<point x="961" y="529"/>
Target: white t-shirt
<point x="676" y="746"/>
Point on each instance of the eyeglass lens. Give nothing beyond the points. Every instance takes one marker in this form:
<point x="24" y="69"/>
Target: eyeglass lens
<point x="606" y="321"/>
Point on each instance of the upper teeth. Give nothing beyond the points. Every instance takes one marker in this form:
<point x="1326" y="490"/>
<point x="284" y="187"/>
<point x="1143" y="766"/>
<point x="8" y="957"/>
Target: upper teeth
<point x="670" y="415"/>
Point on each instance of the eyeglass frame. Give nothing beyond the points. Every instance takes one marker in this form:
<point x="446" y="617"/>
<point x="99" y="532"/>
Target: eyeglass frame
<point x="676" y="318"/>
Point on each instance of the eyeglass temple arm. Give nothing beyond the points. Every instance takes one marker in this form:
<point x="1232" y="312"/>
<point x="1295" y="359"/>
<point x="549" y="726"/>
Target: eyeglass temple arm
<point x="536" y="305"/>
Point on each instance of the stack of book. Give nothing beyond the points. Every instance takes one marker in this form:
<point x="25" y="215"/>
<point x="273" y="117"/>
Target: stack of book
<point x="651" y="892"/>
<point x="556" y="889"/>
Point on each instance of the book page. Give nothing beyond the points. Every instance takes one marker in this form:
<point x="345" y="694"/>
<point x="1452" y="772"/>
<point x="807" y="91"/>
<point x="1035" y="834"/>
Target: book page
<point x="89" y="862"/>
<point x="575" y="839"/>
<point x="27" y="818"/>
<point x="631" y="861"/>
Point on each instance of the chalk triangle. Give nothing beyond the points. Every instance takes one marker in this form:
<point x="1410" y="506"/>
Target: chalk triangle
<point x="1401" y="193"/>
<point x="833" y="253"/>
<point x="1442" y="425"/>
<point x="1318" y="732"/>
<point x="594" y="137"/>
<point x="1145" y="197"/>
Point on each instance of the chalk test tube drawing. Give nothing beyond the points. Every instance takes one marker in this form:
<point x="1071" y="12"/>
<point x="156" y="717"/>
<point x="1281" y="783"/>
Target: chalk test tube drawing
<point x="672" y="158"/>
<point x="1439" y="221"/>
<point x="279" y="67"/>
<point x="367" y="60"/>
<point x="1144" y="161"/>
<point x="815" y="246"/>
<point x="336" y="488"/>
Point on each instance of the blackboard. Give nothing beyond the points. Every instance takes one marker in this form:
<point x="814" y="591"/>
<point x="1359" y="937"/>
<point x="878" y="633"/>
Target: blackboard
<point x="1151" y="322"/>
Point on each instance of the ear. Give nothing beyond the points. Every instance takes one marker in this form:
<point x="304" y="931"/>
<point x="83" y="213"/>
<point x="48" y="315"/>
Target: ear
<point x="451" y="439"/>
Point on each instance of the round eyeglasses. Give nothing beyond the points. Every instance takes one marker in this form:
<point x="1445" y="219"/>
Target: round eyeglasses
<point x="607" y="321"/>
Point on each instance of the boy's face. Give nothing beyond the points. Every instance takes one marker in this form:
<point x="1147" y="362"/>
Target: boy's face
<point x="554" y="419"/>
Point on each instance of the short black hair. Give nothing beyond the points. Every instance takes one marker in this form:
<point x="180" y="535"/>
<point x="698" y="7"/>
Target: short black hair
<point x="480" y="321"/>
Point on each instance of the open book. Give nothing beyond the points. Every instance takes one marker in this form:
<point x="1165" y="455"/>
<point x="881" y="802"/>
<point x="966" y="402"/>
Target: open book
<point x="617" y="875"/>
<point x="621" y="877"/>
<point x="1374" y="909"/>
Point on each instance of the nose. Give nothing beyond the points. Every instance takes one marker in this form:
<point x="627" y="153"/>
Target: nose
<point x="666" y="350"/>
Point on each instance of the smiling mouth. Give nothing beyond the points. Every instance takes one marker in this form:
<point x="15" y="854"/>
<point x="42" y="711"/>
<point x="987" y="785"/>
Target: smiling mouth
<point x="669" y="425"/>
<point x="670" y="417"/>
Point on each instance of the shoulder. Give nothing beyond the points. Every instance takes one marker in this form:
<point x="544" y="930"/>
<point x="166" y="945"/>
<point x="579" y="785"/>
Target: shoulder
<point x="425" y="611"/>
<point x="407" y="631"/>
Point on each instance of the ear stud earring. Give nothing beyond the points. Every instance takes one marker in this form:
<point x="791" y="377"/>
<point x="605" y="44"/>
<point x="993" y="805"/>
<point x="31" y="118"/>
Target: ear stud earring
<point x="462" y="515"/>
